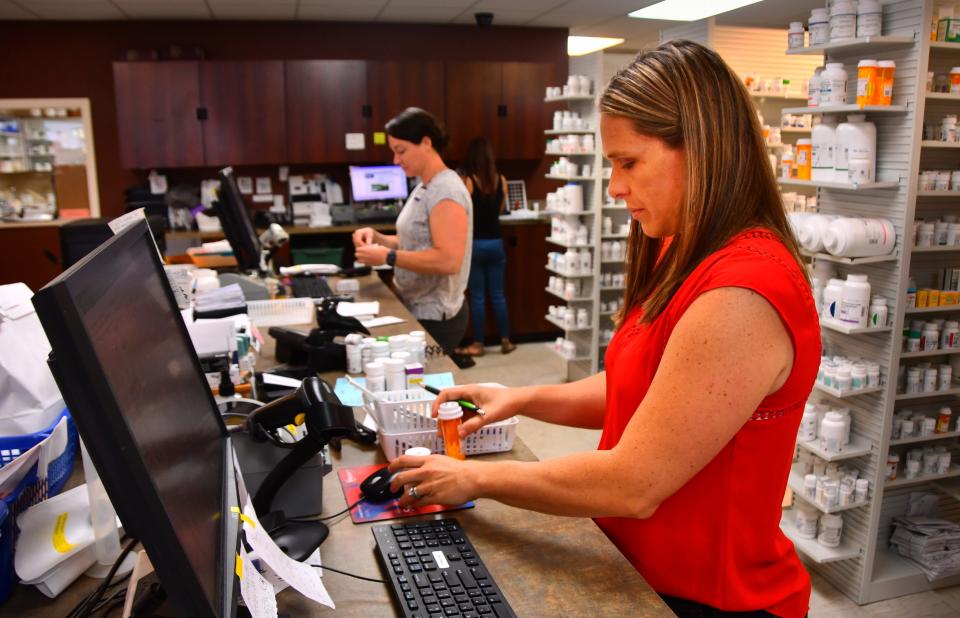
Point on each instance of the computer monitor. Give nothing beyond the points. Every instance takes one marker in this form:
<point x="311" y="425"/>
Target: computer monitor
<point x="236" y="223"/>
<point x="124" y="363"/>
<point x="381" y="182"/>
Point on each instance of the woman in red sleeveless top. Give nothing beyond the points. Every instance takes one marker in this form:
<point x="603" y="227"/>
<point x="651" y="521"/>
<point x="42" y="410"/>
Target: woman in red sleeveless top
<point x="716" y="351"/>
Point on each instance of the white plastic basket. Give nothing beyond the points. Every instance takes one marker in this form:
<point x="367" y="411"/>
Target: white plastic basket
<point x="281" y="312"/>
<point x="494" y="438"/>
<point x="402" y="411"/>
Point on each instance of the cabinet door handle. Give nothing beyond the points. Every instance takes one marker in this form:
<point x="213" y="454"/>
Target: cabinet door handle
<point x="366" y="111"/>
<point x="201" y="113"/>
<point x="502" y="111"/>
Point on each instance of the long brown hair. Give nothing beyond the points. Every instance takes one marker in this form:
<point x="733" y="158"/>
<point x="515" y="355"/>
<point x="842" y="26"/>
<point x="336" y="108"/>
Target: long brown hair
<point x="686" y="95"/>
<point x="480" y="165"/>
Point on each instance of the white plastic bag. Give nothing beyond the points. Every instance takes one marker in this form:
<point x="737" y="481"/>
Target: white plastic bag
<point x="29" y="398"/>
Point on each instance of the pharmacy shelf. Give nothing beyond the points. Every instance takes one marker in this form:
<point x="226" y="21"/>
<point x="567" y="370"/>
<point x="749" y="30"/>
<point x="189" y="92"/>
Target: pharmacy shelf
<point x="897" y="576"/>
<point x="955" y="194"/>
<point x="795" y="482"/>
<point x="570" y="275"/>
<point x="626" y="236"/>
<point x="566" y="245"/>
<point x="937" y="352"/>
<point x="618" y="261"/>
<point x="614" y="208"/>
<point x="858" y="447"/>
<point x="569" y="154"/>
<point x="840" y="327"/>
<point x="569" y="98"/>
<point x="612" y="288"/>
<point x="944" y="45"/>
<point x="607" y="314"/>
<point x="927" y="394"/>
<point x="937" y="309"/>
<point x="578" y="299"/>
<point x="946" y="249"/>
<point x="815" y="551"/>
<point x="583" y="178"/>
<point x="569" y="132"/>
<point x="795" y="130"/>
<point x="853" y="261"/>
<point x="849" y="108"/>
<point x="575" y="359"/>
<point x="933" y="143"/>
<point x="842" y="186"/>
<point x="851" y="393"/>
<point x="942" y="96"/>
<point x="862" y="45"/>
<point x="557" y="213"/>
<point x="930" y="438"/>
<point x="786" y="96"/>
<point x="903" y="481"/>
<point x="559" y="324"/>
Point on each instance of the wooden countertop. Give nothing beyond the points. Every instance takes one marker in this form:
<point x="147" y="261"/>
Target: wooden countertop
<point x="545" y="565"/>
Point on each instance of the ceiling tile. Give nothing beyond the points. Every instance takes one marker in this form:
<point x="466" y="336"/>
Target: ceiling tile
<point x="151" y="9"/>
<point x="419" y="13"/>
<point x="338" y="13"/>
<point x="501" y="18"/>
<point x="342" y="3"/>
<point x="251" y="9"/>
<point x="12" y="11"/>
<point x="75" y="9"/>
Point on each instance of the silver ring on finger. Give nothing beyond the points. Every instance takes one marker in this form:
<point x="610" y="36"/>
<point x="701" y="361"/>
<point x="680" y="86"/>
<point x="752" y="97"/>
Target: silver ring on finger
<point x="413" y="493"/>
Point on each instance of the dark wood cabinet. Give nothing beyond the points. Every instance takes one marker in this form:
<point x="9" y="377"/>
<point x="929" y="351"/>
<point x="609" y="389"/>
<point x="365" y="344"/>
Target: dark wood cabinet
<point x="502" y="101"/>
<point x="245" y="122"/>
<point x="472" y="97"/>
<point x="325" y="100"/>
<point x="523" y="118"/>
<point x="29" y="254"/>
<point x="157" y="114"/>
<point x="393" y="86"/>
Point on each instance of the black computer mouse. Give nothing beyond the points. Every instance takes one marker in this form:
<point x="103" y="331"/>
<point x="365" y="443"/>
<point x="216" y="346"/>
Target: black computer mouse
<point x="376" y="487"/>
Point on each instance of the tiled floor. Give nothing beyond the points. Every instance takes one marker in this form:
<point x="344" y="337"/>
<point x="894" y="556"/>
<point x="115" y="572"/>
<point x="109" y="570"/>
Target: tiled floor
<point x="534" y="364"/>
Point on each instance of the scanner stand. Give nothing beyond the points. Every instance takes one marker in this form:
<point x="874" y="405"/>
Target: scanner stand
<point x="315" y="404"/>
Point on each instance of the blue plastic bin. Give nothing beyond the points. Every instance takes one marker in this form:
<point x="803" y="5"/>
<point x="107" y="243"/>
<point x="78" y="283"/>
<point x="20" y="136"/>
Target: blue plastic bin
<point x="30" y="491"/>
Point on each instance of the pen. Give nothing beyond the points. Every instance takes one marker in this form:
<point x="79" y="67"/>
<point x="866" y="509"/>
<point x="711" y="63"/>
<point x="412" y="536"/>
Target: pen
<point x="466" y="405"/>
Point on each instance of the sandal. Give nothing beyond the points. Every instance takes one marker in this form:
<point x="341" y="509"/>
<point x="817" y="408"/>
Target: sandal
<point x="474" y="349"/>
<point x="507" y="346"/>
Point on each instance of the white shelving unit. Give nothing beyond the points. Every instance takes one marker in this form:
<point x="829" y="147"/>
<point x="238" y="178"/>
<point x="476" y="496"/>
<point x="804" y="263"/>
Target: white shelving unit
<point x="863" y="567"/>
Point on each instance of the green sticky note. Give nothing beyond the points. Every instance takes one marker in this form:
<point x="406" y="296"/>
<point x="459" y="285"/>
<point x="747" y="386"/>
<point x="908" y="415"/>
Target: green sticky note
<point x="379" y="138"/>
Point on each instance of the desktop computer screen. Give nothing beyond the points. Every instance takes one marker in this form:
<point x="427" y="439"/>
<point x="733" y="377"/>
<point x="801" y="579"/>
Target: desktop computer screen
<point x="236" y="223"/>
<point x="382" y="182"/>
<point x="123" y="360"/>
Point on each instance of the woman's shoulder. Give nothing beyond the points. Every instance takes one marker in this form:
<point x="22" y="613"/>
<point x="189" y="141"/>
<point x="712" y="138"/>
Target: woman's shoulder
<point x="758" y="256"/>
<point x="447" y="185"/>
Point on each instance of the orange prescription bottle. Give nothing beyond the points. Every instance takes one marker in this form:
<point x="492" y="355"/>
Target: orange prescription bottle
<point x="803" y="159"/>
<point x="887" y="69"/>
<point x="449" y="419"/>
<point x="869" y="81"/>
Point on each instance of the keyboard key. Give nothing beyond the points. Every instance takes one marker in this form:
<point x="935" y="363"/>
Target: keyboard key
<point x="413" y="605"/>
<point x="467" y="579"/>
<point x="469" y="614"/>
<point x="478" y="573"/>
<point x="435" y="577"/>
<point x="415" y="568"/>
<point x="484" y="584"/>
<point x="444" y="594"/>
<point x="483" y="609"/>
<point x="434" y="608"/>
<point x="471" y="563"/>
<point x="409" y="596"/>
<point x="465" y="607"/>
<point x="405" y="587"/>
<point x="447" y="603"/>
<point x="461" y="598"/>
<point x="391" y="555"/>
<point x="451" y="611"/>
<point x="475" y="593"/>
<point x="420" y="581"/>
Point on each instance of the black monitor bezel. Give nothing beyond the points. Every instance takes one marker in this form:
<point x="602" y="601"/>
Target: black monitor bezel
<point x="109" y="441"/>
<point x="236" y="223"/>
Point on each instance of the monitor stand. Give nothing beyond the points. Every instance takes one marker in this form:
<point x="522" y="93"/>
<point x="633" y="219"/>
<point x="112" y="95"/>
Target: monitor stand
<point x="297" y="539"/>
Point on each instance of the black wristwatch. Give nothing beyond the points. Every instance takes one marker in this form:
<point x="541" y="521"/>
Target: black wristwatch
<point x="392" y="257"/>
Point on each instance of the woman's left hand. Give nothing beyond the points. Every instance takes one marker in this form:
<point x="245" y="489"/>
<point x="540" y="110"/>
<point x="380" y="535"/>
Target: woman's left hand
<point x="372" y="255"/>
<point x="438" y="479"/>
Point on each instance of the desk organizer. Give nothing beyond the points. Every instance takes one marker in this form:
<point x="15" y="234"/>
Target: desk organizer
<point x="281" y="312"/>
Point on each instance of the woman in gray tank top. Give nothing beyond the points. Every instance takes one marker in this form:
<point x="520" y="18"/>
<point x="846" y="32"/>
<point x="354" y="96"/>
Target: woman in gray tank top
<point x="429" y="252"/>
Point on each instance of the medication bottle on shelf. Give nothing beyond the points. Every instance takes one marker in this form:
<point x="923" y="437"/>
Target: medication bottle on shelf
<point x="803" y="159"/>
<point x="869" y="82"/>
<point x="449" y="419"/>
<point x="887" y="68"/>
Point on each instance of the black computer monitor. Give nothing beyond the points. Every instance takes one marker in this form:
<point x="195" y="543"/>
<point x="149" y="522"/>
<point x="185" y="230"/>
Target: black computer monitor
<point x="128" y="372"/>
<point x="237" y="227"/>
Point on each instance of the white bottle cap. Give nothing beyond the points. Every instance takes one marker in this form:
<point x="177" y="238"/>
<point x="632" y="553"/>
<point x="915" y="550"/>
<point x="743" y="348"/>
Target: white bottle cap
<point x="449" y="410"/>
<point x="417" y="451"/>
<point x="373" y="369"/>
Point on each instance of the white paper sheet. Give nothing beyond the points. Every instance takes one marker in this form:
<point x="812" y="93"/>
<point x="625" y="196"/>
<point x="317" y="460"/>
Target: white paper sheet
<point x="279" y="585"/>
<point x="350" y="310"/>
<point x="302" y="577"/>
<point x="258" y="595"/>
<point x="386" y="320"/>
<point x="270" y="378"/>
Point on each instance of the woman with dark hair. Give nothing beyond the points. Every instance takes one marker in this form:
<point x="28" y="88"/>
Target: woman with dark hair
<point x="488" y="190"/>
<point x="434" y="228"/>
<point x="716" y="352"/>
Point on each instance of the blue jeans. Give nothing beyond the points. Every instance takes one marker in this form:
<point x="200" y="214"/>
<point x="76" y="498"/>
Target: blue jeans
<point x="486" y="270"/>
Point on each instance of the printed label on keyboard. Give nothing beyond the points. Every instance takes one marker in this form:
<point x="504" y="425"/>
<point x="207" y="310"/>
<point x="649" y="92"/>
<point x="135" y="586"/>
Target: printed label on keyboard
<point x="441" y="559"/>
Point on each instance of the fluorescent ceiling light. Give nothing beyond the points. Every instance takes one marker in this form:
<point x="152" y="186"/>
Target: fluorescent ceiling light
<point x="583" y="45"/>
<point x="688" y="10"/>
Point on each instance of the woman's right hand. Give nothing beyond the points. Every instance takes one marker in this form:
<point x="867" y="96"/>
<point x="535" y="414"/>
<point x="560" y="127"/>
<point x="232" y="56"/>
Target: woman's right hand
<point x="497" y="403"/>
<point x="364" y="236"/>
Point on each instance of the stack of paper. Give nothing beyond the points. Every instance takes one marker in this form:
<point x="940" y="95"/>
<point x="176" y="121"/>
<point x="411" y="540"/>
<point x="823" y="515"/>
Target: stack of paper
<point x="933" y="544"/>
<point x="229" y="297"/>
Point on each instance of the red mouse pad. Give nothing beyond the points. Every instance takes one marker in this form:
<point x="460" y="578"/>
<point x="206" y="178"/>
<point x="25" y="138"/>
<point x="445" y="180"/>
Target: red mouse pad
<point x="350" y="479"/>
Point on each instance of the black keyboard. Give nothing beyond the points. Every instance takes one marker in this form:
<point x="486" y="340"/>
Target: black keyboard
<point x="311" y="287"/>
<point x="435" y="572"/>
